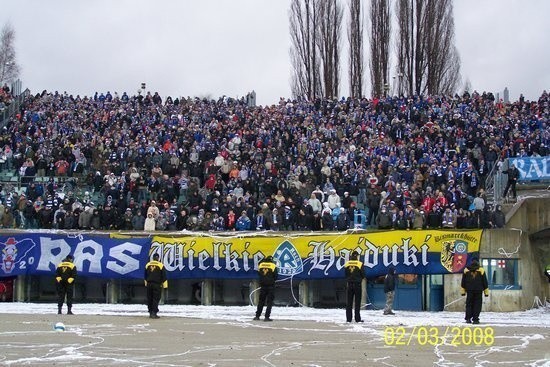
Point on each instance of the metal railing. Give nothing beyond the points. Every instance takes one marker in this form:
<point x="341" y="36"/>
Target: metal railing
<point x="495" y="182"/>
<point x="13" y="108"/>
<point x="63" y="184"/>
<point x="490" y="188"/>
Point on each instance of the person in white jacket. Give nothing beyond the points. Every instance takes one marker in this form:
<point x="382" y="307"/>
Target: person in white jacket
<point x="315" y="204"/>
<point x="333" y="200"/>
<point x="150" y="223"/>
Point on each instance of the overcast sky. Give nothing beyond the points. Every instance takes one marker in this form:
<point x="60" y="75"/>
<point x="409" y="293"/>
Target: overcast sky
<point x="214" y="47"/>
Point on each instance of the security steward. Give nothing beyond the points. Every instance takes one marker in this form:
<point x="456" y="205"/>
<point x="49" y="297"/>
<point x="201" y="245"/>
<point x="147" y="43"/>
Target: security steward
<point x="155" y="280"/>
<point x="267" y="272"/>
<point x="65" y="275"/>
<point x="513" y="177"/>
<point x="354" y="276"/>
<point x="474" y="283"/>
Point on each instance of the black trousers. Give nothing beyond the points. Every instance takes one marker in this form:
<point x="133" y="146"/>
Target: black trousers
<point x="371" y="220"/>
<point x="64" y="290"/>
<point x="153" y="297"/>
<point x="267" y="294"/>
<point x="474" y="301"/>
<point x="354" y="292"/>
<point x="510" y="184"/>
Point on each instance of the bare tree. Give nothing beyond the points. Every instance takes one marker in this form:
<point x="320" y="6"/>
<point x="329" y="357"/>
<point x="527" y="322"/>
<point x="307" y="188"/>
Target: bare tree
<point x="379" y="45"/>
<point x="9" y="70"/>
<point x="404" y="47"/>
<point x="304" y="25"/>
<point x="443" y="59"/>
<point x="355" y="38"/>
<point x="411" y="60"/>
<point x="426" y="55"/>
<point x="328" y="42"/>
<point x="467" y="86"/>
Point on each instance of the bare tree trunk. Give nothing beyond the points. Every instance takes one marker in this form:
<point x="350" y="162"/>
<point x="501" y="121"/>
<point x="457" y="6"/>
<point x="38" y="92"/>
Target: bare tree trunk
<point x="355" y="38"/>
<point x="442" y="56"/>
<point x="379" y="42"/>
<point x="9" y="69"/>
<point x="427" y="57"/>
<point x="405" y="44"/>
<point x="303" y="21"/>
<point x="336" y="36"/>
<point x="328" y="42"/>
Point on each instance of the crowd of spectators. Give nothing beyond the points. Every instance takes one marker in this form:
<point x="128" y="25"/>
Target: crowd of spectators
<point x="120" y="162"/>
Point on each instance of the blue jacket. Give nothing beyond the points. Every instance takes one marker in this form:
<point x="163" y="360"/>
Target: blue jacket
<point x="243" y="224"/>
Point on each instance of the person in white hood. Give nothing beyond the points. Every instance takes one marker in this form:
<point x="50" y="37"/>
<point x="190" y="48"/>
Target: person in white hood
<point x="150" y="224"/>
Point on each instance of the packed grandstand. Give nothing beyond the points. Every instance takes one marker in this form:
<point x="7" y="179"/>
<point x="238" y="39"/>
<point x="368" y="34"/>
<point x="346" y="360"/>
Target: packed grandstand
<point x="143" y="162"/>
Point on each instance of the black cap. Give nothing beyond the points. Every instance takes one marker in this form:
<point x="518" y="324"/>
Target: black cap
<point x="69" y="258"/>
<point x="269" y="258"/>
<point x="156" y="257"/>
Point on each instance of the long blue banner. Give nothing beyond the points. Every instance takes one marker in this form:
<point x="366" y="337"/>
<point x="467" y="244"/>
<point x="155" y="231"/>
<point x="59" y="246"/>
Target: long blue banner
<point x="312" y="256"/>
<point x="532" y="168"/>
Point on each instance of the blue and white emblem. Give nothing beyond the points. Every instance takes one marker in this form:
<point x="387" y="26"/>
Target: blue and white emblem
<point x="288" y="259"/>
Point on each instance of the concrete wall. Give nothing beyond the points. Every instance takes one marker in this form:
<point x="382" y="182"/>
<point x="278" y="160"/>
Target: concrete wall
<point x="532" y="215"/>
<point x="528" y="216"/>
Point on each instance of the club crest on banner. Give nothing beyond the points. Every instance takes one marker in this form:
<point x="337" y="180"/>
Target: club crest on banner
<point x="9" y="255"/>
<point x="288" y="259"/>
<point x="454" y="255"/>
<point x="15" y="254"/>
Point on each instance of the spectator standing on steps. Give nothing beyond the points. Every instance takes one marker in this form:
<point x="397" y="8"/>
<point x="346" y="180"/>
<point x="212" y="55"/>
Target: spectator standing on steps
<point x="354" y="277"/>
<point x="474" y="283"/>
<point x="267" y="271"/>
<point x="513" y="176"/>
<point x="155" y="280"/>
<point x="65" y="275"/>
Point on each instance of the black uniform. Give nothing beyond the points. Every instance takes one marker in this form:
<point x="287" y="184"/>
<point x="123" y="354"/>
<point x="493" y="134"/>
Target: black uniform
<point x="267" y="271"/>
<point x="513" y="176"/>
<point x="155" y="280"/>
<point x="474" y="283"/>
<point x="389" y="290"/>
<point x="354" y="276"/>
<point x="65" y="275"/>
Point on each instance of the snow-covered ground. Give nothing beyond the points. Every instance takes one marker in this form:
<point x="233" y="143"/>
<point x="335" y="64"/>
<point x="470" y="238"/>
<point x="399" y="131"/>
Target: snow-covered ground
<point x="189" y="335"/>
<point x="539" y="317"/>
